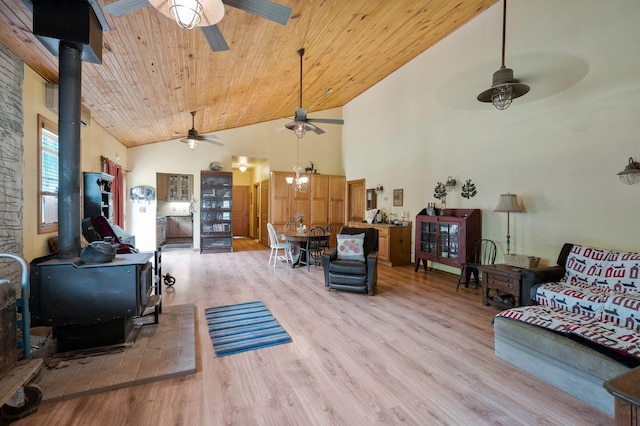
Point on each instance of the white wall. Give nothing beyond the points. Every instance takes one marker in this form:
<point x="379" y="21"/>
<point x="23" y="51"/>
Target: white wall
<point x="558" y="148"/>
<point x="262" y="140"/>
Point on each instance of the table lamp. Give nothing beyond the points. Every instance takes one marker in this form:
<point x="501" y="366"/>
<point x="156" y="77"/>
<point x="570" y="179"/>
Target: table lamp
<point x="508" y="203"/>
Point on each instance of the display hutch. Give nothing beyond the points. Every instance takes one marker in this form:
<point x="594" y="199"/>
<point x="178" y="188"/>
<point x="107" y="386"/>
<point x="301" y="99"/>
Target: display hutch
<point x="447" y="239"/>
<point x="98" y="199"/>
<point x="215" y="212"/>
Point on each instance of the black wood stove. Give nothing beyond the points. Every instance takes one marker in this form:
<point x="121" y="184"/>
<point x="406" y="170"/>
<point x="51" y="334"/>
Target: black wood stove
<point x="90" y="305"/>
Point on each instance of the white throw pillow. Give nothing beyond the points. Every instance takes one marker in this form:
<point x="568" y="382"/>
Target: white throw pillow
<point x="351" y="247"/>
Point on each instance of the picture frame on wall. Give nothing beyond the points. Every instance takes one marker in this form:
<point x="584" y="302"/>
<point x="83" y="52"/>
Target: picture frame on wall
<point x="397" y="197"/>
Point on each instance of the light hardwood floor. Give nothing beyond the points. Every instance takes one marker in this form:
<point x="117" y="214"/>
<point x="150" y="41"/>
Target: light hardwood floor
<point x="415" y="353"/>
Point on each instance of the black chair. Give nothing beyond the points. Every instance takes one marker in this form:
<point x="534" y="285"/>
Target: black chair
<point x="358" y="275"/>
<point x="484" y="253"/>
<point x="311" y="253"/>
<point x="326" y="243"/>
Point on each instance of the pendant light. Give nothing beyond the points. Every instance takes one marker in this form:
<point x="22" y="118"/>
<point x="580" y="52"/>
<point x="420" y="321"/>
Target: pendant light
<point x="504" y="87"/>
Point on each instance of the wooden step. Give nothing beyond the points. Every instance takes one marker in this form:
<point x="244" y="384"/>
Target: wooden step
<point x="18" y="376"/>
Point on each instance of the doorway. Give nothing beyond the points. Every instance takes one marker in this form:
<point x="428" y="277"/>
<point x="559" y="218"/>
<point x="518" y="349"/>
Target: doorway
<point x="240" y="211"/>
<point x="356" y="198"/>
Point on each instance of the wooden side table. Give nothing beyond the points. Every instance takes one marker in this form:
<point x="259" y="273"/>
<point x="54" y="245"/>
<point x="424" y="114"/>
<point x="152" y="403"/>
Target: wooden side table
<point x="626" y="390"/>
<point x="504" y="278"/>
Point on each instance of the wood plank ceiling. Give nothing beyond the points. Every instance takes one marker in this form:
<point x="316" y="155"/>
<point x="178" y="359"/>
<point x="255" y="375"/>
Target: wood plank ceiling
<point x="153" y="73"/>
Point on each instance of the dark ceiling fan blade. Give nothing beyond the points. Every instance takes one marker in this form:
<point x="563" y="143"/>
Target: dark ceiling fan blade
<point x="215" y="38"/>
<point x="326" y="120"/>
<point x="317" y="130"/>
<point x="264" y="8"/>
<point x="122" y="7"/>
<point x="212" y="142"/>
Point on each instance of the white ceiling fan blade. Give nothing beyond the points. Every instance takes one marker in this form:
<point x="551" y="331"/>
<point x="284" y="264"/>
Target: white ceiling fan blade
<point x="122" y="7"/>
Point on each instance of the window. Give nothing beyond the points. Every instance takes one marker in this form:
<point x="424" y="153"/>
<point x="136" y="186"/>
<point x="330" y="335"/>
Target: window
<point x="47" y="176"/>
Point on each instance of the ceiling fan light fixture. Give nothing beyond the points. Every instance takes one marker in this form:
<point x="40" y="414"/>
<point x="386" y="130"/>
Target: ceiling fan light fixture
<point x="300" y="129"/>
<point x="187" y="13"/>
<point x="191" y="143"/>
<point x="504" y="87"/>
<point x="191" y="13"/>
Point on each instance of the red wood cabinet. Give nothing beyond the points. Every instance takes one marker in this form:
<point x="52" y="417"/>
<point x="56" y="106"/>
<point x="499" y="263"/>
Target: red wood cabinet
<point x="447" y="239"/>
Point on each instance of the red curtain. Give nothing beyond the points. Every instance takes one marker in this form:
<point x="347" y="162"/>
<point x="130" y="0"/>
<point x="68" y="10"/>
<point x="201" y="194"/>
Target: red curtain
<point x="116" y="171"/>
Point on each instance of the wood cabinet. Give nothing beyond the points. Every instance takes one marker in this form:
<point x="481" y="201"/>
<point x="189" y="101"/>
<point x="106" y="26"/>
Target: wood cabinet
<point x="174" y="187"/>
<point x="215" y="212"/>
<point x="394" y="242"/>
<point x="447" y="239"/>
<point x="98" y="199"/>
<point x="179" y="227"/>
<point x="321" y="204"/>
<point x="502" y="278"/>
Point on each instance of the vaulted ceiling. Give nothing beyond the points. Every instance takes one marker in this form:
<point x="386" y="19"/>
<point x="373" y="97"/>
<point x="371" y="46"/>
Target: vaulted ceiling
<point x="153" y="72"/>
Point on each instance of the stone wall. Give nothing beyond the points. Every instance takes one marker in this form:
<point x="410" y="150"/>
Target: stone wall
<point x="11" y="163"/>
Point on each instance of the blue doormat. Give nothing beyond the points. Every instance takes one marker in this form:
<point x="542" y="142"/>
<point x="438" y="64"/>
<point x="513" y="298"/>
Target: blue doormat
<point x="243" y="327"/>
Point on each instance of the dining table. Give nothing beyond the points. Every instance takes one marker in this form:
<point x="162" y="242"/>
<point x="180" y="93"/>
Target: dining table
<point x="299" y="239"/>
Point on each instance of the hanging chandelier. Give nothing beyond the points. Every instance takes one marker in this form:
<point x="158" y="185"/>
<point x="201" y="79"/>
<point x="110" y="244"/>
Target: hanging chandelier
<point x="301" y="180"/>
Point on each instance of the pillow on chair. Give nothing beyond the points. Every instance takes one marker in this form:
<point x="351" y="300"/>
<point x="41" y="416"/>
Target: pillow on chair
<point x="350" y="247"/>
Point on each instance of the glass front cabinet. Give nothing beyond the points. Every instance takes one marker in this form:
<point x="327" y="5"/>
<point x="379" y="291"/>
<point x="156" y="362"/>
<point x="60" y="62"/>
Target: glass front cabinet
<point x="215" y="212"/>
<point x="447" y="239"/>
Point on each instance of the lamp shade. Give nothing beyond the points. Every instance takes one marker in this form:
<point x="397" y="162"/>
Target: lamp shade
<point x="508" y="203"/>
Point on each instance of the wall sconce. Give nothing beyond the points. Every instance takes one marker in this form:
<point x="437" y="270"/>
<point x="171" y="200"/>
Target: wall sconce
<point x="631" y="174"/>
<point x="508" y="204"/>
<point x="449" y="184"/>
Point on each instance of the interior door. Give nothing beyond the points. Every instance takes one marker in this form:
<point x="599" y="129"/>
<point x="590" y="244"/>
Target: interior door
<point x="356" y="195"/>
<point x="264" y="212"/>
<point x="240" y="211"/>
<point x="255" y="211"/>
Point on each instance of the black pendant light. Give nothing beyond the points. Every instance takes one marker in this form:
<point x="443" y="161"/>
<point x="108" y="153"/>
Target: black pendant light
<point x="504" y="88"/>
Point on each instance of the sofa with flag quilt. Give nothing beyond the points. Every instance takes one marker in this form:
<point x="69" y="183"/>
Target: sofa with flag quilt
<point x="584" y="327"/>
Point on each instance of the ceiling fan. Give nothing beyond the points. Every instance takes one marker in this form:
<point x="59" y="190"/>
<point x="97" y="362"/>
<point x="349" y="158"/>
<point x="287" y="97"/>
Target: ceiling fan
<point x="301" y="123"/>
<point x="204" y="16"/>
<point x="193" y="139"/>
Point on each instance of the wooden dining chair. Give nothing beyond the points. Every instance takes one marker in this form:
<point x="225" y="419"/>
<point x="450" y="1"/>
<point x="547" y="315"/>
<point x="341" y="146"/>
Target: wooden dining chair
<point x="311" y="253"/>
<point x="484" y="253"/>
<point x="278" y="245"/>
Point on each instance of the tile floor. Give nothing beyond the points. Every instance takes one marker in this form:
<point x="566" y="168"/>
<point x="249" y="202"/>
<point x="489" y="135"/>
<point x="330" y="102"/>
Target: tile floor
<point x="160" y="351"/>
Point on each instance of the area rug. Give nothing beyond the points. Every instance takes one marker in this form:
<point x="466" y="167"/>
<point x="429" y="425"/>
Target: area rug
<point x="243" y="327"/>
